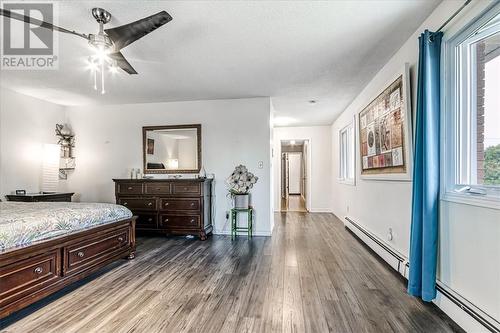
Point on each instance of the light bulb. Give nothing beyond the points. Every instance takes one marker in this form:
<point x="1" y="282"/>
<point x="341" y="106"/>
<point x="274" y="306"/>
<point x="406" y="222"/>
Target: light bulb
<point x="101" y="55"/>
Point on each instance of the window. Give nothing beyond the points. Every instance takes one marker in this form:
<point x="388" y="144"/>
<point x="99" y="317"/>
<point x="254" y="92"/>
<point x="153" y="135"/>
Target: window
<point x="472" y="104"/>
<point x="346" y="158"/>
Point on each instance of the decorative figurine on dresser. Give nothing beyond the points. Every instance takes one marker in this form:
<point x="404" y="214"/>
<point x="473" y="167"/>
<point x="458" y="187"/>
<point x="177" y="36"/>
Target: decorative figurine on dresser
<point x="174" y="205"/>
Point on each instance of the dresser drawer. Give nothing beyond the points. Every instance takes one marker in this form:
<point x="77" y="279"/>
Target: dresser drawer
<point x="129" y="188"/>
<point x="180" y="204"/>
<point x="186" y="188"/>
<point x="26" y="276"/>
<point x="86" y="254"/>
<point x="138" y="203"/>
<point x="180" y="221"/>
<point x="156" y="188"/>
<point x="146" y="221"/>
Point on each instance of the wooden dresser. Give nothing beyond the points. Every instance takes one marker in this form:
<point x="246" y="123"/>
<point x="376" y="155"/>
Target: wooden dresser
<point x="170" y="206"/>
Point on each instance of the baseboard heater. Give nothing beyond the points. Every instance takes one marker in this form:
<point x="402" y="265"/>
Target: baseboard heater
<point x="401" y="264"/>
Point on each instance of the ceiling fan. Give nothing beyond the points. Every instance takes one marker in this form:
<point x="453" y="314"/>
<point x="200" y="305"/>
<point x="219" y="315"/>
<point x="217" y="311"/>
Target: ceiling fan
<point x="106" y="42"/>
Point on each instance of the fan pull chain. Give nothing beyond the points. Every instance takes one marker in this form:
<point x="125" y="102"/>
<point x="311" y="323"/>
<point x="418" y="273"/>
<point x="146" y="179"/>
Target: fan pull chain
<point x="102" y="78"/>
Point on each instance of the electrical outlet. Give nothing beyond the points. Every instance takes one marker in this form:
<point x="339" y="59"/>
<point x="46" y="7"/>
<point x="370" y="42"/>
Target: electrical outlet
<point x="261" y="164"/>
<point x="348" y="208"/>
<point x="390" y="236"/>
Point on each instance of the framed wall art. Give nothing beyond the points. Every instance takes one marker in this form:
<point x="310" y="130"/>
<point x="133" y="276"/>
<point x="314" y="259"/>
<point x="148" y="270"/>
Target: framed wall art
<point x="151" y="147"/>
<point x="384" y="127"/>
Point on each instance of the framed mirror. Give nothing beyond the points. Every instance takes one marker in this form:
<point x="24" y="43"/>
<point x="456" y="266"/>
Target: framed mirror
<point x="172" y="149"/>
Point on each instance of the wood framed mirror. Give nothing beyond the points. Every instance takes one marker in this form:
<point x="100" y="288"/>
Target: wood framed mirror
<point x="172" y="149"/>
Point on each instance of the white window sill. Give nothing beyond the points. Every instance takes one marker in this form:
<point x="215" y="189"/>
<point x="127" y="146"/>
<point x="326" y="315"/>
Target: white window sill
<point x="486" y="201"/>
<point x="351" y="182"/>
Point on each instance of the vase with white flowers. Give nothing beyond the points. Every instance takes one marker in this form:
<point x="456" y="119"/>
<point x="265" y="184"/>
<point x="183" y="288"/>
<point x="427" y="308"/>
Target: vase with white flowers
<point x="239" y="184"/>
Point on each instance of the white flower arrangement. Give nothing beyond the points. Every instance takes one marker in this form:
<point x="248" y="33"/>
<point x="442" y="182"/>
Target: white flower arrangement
<point x="241" y="180"/>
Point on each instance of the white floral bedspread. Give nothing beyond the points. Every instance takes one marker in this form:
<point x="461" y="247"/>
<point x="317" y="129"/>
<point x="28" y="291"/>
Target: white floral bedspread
<point x="23" y="223"/>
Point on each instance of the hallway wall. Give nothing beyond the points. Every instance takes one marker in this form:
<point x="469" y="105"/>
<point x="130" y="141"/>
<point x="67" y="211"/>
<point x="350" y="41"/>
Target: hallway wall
<point x="321" y="157"/>
<point x="379" y="205"/>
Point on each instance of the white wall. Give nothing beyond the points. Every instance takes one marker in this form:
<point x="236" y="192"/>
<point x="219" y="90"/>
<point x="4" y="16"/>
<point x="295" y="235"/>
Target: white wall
<point x="470" y="236"/>
<point x="26" y="123"/>
<point x="321" y="171"/>
<point x="109" y="143"/>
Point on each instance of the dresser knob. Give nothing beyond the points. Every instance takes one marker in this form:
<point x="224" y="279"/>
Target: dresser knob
<point x="125" y="203"/>
<point x="158" y="188"/>
<point x="192" y="220"/>
<point x="130" y="188"/>
<point x="120" y="239"/>
<point x="80" y="254"/>
<point x="166" y="220"/>
<point x="192" y="204"/>
<point x="150" y="204"/>
<point x="166" y="203"/>
<point x="150" y="219"/>
<point x="38" y="270"/>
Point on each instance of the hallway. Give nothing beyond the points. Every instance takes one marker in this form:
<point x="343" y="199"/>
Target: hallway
<point x="294" y="203"/>
<point x="311" y="276"/>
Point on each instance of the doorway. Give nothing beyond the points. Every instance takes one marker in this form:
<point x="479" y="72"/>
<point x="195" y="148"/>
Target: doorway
<point x="294" y="175"/>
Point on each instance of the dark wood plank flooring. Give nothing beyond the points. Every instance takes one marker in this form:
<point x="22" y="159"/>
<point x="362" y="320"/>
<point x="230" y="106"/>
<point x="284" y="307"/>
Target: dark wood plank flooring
<point x="311" y="276"/>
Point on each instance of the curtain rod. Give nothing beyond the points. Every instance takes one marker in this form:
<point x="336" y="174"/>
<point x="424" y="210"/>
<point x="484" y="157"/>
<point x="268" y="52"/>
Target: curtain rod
<point x="453" y="16"/>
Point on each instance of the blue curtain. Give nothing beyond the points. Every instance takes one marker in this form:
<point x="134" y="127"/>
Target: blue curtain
<point x="425" y="203"/>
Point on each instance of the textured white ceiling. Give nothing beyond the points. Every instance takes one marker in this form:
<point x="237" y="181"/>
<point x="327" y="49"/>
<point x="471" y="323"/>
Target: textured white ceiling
<point x="293" y="51"/>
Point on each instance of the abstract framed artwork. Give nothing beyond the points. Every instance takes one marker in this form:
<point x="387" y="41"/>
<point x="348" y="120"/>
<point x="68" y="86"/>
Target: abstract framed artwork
<point x="384" y="127"/>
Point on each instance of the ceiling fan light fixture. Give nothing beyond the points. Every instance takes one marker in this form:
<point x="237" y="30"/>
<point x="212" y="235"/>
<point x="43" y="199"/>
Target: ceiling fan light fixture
<point x="101" y="41"/>
<point x="106" y="44"/>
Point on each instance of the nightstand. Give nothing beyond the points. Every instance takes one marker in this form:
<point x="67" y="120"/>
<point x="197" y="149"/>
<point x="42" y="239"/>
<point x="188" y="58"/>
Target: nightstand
<point x="42" y="196"/>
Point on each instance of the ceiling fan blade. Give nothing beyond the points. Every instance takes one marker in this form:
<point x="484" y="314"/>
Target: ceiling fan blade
<point x="129" y="33"/>
<point x="42" y="24"/>
<point x="122" y="62"/>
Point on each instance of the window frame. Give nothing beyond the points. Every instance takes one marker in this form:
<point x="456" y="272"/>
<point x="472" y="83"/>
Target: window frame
<point x="350" y="131"/>
<point x="459" y="117"/>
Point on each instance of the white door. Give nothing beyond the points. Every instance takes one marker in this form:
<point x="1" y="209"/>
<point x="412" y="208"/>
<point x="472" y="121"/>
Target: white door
<point x="304" y="170"/>
<point x="284" y="175"/>
<point x="294" y="173"/>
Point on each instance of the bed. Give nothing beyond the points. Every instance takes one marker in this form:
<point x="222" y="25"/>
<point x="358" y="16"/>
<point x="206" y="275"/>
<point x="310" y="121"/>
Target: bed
<point x="45" y="246"/>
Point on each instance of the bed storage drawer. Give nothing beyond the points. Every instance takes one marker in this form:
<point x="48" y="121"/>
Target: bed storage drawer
<point x="26" y="276"/>
<point x="88" y="253"/>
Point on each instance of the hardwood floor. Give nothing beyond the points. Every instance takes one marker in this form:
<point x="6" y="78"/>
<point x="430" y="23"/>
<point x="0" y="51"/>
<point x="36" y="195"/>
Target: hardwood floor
<point x="295" y="203"/>
<point x="311" y="276"/>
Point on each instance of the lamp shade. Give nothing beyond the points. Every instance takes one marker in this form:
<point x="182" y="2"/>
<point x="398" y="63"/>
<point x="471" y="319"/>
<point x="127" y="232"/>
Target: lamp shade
<point x="172" y="164"/>
<point x="50" y="167"/>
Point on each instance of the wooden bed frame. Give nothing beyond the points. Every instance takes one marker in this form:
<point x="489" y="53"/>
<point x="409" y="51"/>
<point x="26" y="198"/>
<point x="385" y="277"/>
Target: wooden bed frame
<point x="31" y="273"/>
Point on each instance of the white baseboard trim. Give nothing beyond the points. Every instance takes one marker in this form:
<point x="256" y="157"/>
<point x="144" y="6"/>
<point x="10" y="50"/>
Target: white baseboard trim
<point x="464" y="313"/>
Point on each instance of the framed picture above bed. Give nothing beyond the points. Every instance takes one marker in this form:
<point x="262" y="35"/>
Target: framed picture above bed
<point x="384" y="127"/>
